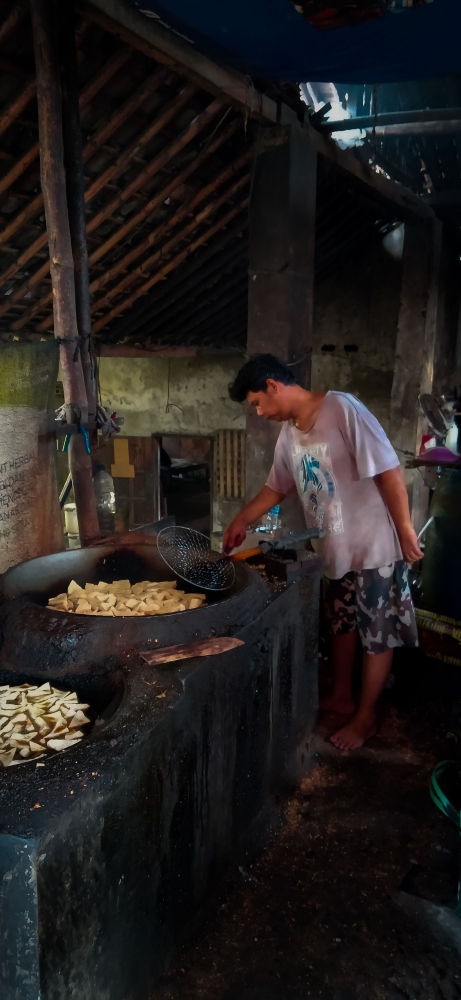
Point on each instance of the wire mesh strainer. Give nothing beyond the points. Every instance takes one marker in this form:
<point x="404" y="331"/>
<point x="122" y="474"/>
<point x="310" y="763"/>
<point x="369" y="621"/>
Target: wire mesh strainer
<point x="188" y="554"/>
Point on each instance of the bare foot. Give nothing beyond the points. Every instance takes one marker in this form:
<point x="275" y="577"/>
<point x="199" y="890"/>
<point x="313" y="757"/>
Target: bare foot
<point x="333" y="703"/>
<point x="355" y="734"/>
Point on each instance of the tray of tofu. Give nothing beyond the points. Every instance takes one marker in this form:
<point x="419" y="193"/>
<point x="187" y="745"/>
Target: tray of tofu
<point x="37" y="719"/>
<point x="120" y="599"/>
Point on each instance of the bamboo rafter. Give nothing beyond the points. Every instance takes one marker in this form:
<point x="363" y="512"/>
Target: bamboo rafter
<point x="153" y="167"/>
<point x="170" y="266"/>
<point x="155" y="189"/>
<point x="154" y="236"/>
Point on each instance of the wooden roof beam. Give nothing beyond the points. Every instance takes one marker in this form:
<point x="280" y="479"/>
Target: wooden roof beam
<point x="114" y="170"/>
<point x="140" y="271"/>
<point x="136" y="30"/>
<point x="122" y="114"/>
<point x="166" y="154"/>
<point x="16" y="106"/>
<point x="110" y="68"/>
<point x="171" y="265"/>
<point x="164" y="46"/>
<point x="158" y="198"/>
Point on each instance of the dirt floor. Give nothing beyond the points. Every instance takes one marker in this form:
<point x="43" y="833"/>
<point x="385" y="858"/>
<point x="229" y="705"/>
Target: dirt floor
<point x="323" y="911"/>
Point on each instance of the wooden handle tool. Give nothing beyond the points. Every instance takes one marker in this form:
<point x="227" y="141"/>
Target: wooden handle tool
<point x="187" y="650"/>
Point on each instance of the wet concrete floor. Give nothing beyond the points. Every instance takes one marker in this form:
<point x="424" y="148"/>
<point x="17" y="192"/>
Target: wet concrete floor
<point x="322" y="912"/>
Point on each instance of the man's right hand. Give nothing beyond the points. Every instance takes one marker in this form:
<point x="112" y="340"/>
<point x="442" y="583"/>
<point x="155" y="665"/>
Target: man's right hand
<point x="234" y="534"/>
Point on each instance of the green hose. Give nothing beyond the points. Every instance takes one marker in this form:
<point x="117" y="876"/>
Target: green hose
<point x="446" y="807"/>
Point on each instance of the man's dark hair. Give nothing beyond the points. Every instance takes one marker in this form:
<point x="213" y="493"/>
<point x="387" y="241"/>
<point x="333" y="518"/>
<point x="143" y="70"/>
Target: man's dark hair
<point x="255" y="373"/>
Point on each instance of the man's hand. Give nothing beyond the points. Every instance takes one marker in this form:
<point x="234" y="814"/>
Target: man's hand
<point x="409" y="544"/>
<point x="392" y="489"/>
<point x="234" y="534"/>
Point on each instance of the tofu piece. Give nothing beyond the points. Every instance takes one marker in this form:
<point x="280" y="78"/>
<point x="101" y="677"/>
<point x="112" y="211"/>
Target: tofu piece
<point x="74" y="588"/>
<point x="7" y="757"/>
<point x="80" y="719"/>
<point x="59" y="744"/>
<point x="43" y="689"/>
<point x="57" y="600"/>
<point x="194" y="603"/>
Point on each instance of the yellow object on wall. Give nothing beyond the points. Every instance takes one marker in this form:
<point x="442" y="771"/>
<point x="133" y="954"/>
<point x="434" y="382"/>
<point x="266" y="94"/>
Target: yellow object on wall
<point x="121" y="469"/>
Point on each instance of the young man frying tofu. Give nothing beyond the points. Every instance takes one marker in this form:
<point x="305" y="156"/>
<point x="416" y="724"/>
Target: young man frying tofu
<point x="336" y="455"/>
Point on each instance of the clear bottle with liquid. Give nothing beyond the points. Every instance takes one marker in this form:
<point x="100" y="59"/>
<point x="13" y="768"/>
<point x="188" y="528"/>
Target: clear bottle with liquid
<point x="270" y="522"/>
<point x="103" y="486"/>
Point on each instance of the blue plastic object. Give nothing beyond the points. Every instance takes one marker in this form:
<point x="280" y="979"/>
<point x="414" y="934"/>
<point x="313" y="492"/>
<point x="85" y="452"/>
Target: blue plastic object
<point x="271" y="38"/>
<point x="86" y="438"/>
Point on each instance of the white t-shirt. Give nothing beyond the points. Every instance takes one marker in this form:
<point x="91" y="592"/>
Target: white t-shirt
<point x="332" y="468"/>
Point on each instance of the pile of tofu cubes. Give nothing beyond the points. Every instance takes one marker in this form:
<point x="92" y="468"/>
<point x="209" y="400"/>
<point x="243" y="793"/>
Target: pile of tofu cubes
<point x="120" y="599"/>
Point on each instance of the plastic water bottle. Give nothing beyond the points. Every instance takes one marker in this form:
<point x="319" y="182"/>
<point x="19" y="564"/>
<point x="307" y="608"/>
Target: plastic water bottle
<point x="270" y="522"/>
<point x="103" y="485"/>
<point x="273" y="518"/>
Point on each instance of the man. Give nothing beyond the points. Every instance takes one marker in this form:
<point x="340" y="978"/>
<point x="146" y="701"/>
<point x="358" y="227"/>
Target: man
<point x="334" y="452"/>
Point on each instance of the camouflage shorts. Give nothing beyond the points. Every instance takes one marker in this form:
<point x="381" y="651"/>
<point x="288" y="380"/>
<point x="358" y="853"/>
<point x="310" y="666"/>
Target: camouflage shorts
<point x="377" y="602"/>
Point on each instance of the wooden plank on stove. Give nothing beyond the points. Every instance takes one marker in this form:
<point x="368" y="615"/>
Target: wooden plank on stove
<point x="189" y="650"/>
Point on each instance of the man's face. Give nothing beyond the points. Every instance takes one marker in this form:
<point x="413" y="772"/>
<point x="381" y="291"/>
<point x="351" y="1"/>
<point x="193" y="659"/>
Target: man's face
<point x="270" y="404"/>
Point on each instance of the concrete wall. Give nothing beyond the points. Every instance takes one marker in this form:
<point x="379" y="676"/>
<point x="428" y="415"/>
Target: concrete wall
<point x="447" y="356"/>
<point x="359" y="307"/>
<point x="159" y="395"/>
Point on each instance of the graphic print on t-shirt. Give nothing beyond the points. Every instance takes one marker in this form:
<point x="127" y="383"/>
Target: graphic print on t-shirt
<point x="318" y="489"/>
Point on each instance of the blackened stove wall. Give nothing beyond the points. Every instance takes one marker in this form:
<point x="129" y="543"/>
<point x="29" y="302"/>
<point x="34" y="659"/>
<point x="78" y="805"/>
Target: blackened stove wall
<point x="107" y="852"/>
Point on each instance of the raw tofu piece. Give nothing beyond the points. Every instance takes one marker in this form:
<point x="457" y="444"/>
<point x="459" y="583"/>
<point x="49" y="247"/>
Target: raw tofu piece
<point x="61" y="744"/>
<point x="79" y="720"/>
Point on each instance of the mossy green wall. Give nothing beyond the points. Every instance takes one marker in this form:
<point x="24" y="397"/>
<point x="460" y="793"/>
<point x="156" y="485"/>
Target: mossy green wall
<point x="171" y="395"/>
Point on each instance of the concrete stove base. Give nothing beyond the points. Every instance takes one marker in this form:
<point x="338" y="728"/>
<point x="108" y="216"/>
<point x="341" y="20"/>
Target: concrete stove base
<point x="108" y="850"/>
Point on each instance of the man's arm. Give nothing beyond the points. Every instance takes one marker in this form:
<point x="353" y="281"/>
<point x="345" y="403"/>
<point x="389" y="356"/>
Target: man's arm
<point x="235" y="533"/>
<point x="392" y="489"/>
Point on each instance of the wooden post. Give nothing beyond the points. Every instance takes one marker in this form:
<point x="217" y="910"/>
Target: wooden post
<point x="281" y="271"/>
<point x="156" y="482"/>
<point x="73" y="161"/>
<point x="53" y="184"/>
<point x="415" y="349"/>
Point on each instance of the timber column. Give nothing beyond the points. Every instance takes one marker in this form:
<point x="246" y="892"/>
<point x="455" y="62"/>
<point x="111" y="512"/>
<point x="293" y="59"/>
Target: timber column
<point x="281" y="271"/>
<point x="53" y="182"/>
<point x="417" y="327"/>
